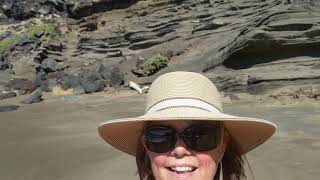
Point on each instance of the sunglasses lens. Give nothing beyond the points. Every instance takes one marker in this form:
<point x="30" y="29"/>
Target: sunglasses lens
<point x="202" y="137"/>
<point x="160" y="139"/>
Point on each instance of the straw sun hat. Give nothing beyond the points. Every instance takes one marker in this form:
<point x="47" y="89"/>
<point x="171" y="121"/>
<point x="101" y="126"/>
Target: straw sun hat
<point x="185" y="96"/>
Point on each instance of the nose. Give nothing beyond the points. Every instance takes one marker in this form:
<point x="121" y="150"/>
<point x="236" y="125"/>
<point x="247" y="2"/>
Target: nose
<point x="180" y="149"/>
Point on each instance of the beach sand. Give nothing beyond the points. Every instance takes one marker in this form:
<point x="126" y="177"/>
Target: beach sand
<point x="57" y="139"/>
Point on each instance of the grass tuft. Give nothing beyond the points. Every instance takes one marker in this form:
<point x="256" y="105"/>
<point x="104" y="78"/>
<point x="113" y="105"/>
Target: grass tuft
<point x="154" y="64"/>
<point x="49" y="28"/>
<point x="8" y="43"/>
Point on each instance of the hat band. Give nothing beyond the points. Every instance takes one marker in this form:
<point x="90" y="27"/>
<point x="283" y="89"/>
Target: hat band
<point x="183" y="102"/>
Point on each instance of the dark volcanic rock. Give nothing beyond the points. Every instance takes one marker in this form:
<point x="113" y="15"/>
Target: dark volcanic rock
<point x="3" y="17"/>
<point x="92" y="81"/>
<point x="7" y="108"/>
<point x="4" y="64"/>
<point x="24" y="86"/>
<point x="93" y="86"/>
<point x="88" y="80"/>
<point x="35" y="97"/>
<point x="117" y="77"/>
<point x="5" y="35"/>
<point x="58" y="4"/>
<point x="50" y="80"/>
<point x="24" y="40"/>
<point x="40" y="78"/>
<point x="24" y="9"/>
<point x="60" y="79"/>
<point x="39" y="33"/>
<point x="49" y="65"/>
<point x="112" y="75"/>
<point x="69" y="81"/>
<point x="81" y="8"/>
<point x="41" y="56"/>
<point x="89" y="26"/>
<point x="7" y="95"/>
<point x="54" y="46"/>
<point x="14" y="9"/>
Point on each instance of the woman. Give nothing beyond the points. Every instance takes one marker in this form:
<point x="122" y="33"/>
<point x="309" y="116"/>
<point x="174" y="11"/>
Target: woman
<point x="184" y="134"/>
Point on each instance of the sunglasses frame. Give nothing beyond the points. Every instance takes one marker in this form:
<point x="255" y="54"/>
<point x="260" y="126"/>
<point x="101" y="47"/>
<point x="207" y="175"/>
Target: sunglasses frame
<point x="218" y="127"/>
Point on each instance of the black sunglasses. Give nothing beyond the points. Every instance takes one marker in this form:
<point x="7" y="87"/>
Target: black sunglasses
<point x="197" y="137"/>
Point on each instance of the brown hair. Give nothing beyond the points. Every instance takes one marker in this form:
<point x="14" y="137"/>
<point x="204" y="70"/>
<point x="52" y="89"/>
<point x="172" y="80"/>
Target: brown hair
<point x="232" y="162"/>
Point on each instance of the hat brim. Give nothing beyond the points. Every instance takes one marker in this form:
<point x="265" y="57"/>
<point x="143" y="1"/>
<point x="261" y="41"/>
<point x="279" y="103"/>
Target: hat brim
<point x="248" y="132"/>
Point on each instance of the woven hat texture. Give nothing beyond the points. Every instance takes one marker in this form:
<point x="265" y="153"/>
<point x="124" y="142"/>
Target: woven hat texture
<point x="185" y="96"/>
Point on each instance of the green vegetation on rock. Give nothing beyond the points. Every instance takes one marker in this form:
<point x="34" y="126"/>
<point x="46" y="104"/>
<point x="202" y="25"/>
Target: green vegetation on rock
<point x="49" y="28"/>
<point x="11" y="40"/>
<point x="154" y="64"/>
<point x="4" y="45"/>
<point x="7" y="43"/>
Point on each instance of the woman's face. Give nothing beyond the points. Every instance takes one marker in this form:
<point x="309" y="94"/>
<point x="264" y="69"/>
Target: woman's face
<point x="172" y="165"/>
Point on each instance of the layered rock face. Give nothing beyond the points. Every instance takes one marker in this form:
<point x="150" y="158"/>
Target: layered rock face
<point x="257" y="46"/>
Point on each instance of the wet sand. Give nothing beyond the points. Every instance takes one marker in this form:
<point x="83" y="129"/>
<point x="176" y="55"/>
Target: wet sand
<point x="57" y="139"/>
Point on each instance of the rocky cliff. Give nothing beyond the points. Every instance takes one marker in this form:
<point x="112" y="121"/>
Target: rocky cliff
<point x="269" y="47"/>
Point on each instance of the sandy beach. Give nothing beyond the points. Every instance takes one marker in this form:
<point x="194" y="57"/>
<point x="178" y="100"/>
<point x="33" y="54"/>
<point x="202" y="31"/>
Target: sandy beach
<point x="57" y="139"/>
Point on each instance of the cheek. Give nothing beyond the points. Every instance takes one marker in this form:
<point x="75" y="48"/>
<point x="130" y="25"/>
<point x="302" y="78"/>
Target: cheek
<point x="158" y="162"/>
<point x="208" y="164"/>
<point x="156" y="159"/>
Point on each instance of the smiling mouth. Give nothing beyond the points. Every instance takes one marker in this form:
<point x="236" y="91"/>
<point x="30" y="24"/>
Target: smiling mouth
<point x="181" y="170"/>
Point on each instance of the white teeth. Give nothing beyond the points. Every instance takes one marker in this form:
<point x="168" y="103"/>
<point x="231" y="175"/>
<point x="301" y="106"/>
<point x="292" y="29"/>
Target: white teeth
<point x="182" y="169"/>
